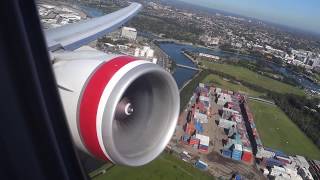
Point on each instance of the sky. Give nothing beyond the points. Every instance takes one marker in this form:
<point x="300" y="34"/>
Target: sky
<point x="302" y="14"/>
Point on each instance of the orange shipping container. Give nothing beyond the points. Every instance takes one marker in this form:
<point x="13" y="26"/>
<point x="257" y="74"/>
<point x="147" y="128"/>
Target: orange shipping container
<point x="190" y="128"/>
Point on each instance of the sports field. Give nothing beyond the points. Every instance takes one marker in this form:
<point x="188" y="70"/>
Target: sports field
<point x="166" y="167"/>
<point x="277" y="131"/>
<point x="225" y="84"/>
<point x="249" y="76"/>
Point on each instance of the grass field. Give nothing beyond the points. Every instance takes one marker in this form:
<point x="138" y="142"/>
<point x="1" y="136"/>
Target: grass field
<point x="166" y="167"/>
<point x="277" y="131"/>
<point x="220" y="82"/>
<point x="249" y="76"/>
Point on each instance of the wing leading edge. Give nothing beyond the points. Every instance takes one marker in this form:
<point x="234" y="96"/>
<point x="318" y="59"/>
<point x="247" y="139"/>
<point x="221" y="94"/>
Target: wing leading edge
<point x="73" y="36"/>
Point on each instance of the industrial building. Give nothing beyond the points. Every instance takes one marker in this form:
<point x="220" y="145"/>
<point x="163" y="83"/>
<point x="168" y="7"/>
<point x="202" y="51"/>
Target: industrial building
<point x="129" y="33"/>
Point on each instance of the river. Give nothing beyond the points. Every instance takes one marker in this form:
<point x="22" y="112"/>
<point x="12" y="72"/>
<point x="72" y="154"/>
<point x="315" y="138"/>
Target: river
<point x="182" y="75"/>
<point x="174" y="51"/>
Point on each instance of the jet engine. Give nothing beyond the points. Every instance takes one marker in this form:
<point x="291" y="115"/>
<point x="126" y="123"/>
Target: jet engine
<point x="119" y="108"/>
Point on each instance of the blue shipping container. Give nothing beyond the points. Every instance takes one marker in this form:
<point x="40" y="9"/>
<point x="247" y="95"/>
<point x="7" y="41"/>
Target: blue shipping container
<point x="201" y="165"/>
<point x="280" y="153"/>
<point x="277" y="152"/>
<point x="186" y="137"/>
<point x="270" y="162"/>
<point x="226" y="153"/>
<point x="236" y="155"/>
<point x="199" y="127"/>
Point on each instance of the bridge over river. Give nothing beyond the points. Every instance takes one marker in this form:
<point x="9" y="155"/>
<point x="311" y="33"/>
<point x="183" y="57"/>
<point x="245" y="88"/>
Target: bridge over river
<point x="187" y="67"/>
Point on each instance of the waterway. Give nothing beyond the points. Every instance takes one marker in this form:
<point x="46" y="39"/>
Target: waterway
<point x="182" y="75"/>
<point x="174" y="51"/>
<point x="90" y="11"/>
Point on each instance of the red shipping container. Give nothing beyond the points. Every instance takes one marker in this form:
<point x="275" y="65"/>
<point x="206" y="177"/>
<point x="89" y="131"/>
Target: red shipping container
<point x="194" y="141"/>
<point x="246" y="156"/>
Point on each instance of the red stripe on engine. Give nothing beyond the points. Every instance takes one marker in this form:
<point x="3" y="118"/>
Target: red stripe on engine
<point x="90" y="101"/>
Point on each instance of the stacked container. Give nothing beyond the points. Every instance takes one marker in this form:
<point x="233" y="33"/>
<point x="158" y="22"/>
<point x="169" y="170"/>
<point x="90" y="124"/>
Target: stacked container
<point x="284" y="159"/>
<point x="203" y="148"/>
<point x="201" y="165"/>
<point x="237" y="152"/>
<point x="185" y="138"/>
<point x="247" y="154"/>
<point x="227" y="153"/>
<point x="204" y="142"/>
<point x="199" y="127"/>
<point x="194" y="141"/>
<point x="190" y="128"/>
<point x="270" y="162"/>
<point x="195" y="146"/>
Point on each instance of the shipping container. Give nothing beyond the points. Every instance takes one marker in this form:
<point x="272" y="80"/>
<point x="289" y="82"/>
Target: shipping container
<point x="284" y="159"/>
<point x="199" y="127"/>
<point x="227" y="153"/>
<point x="236" y="155"/>
<point x="270" y="162"/>
<point x="194" y="141"/>
<point x="203" y="147"/>
<point x="190" y="129"/>
<point x="186" y="137"/>
<point x="201" y="165"/>
<point x="195" y="146"/>
<point x="204" y="140"/>
<point x="247" y="156"/>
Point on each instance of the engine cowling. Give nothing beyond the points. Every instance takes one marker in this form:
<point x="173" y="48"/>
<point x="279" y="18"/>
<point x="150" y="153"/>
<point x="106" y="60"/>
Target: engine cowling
<point x="118" y="108"/>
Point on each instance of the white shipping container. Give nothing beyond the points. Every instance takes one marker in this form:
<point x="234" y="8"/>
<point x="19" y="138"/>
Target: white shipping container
<point x="201" y="117"/>
<point x="226" y="123"/>
<point x="204" y="98"/>
<point x="238" y="147"/>
<point x="204" y="140"/>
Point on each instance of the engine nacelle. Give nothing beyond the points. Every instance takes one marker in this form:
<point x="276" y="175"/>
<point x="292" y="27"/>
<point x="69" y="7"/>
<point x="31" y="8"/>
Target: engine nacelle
<point x="118" y="108"/>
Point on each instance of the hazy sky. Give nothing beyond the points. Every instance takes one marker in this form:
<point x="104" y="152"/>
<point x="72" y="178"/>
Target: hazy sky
<point x="303" y="14"/>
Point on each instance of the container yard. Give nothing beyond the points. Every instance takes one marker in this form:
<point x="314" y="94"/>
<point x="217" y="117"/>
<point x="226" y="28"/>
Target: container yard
<point x="218" y="133"/>
<point x="201" y="135"/>
<point x="237" y="146"/>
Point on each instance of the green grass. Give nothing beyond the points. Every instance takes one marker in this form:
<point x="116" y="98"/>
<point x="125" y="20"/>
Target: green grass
<point x="317" y="77"/>
<point x="249" y="76"/>
<point x="277" y="131"/>
<point x="219" y="82"/>
<point x="166" y="167"/>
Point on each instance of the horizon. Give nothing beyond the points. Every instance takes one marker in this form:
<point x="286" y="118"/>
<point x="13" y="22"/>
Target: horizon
<point x="282" y="12"/>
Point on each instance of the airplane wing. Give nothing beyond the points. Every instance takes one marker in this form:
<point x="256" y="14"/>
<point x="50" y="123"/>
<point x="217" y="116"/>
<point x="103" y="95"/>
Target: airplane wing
<point x="73" y="36"/>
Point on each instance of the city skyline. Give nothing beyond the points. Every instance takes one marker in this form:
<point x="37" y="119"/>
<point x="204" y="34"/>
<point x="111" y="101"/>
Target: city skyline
<point x="293" y="13"/>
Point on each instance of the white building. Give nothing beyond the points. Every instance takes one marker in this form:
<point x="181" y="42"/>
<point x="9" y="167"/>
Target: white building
<point x="137" y="52"/>
<point x="150" y="53"/>
<point x="315" y="63"/>
<point x="154" y="60"/>
<point x="209" y="56"/>
<point x="129" y="33"/>
<point x="146" y="52"/>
